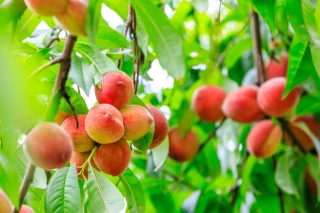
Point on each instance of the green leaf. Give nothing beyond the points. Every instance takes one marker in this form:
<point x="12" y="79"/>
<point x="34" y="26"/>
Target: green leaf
<point x="166" y="41"/>
<point x="119" y="6"/>
<point x="301" y="17"/>
<point x="81" y="73"/>
<point x="308" y="104"/>
<point x="160" y="154"/>
<point x="314" y="169"/>
<point x="134" y="191"/>
<point x="283" y="176"/>
<point x="100" y="61"/>
<point x="76" y="100"/>
<point x="209" y="201"/>
<point x="27" y="24"/>
<point x="92" y="20"/>
<point x="317" y="16"/>
<point x="237" y="51"/>
<point x="39" y="178"/>
<point x="143" y="143"/>
<point x="314" y="139"/>
<point x="63" y="193"/>
<point x="266" y="9"/>
<point x="300" y="64"/>
<point x="102" y="195"/>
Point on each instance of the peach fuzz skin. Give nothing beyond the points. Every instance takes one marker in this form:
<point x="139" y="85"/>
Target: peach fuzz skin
<point x="277" y="68"/>
<point x="81" y="140"/>
<point x="79" y="158"/>
<point x="73" y="18"/>
<point x="5" y="203"/>
<point x="47" y="7"/>
<point x="26" y="209"/>
<point x="161" y="126"/>
<point x="116" y="89"/>
<point x="104" y="124"/>
<point x="137" y="121"/>
<point x="270" y="97"/>
<point x="113" y="158"/>
<point x="264" y="139"/>
<point x="49" y="146"/>
<point x="181" y="148"/>
<point x="207" y="101"/>
<point x="241" y="105"/>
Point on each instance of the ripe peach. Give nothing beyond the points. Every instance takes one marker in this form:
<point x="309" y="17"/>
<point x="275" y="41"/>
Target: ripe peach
<point x="137" y="121"/>
<point x="160" y="126"/>
<point x="47" y="7"/>
<point x="312" y="124"/>
<point x="26" y="209"/>
<point x="113" y="158"/>
<point x="241" y="105"/>
<point x="79" y="158"/>
<point x="301" y="135"/>
<point x="104" y="124"/>
<point x="74" y="17"/>
<point x="5" y="203"/>
<point x="276" y="68"/>
<point x="181" y="148"/>
<point x="49" y="146"/>
<point x="61" y="116"/>
<point x="116" y="89"/>
<point x="207" y="101"/>
<point x="270" y="97"/>
<point x="81" y="140"/>
<point x="264" y="139"/>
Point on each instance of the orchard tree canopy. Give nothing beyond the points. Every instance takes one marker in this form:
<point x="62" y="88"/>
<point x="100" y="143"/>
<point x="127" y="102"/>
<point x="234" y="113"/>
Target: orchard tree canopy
<point x="164" y="106"/>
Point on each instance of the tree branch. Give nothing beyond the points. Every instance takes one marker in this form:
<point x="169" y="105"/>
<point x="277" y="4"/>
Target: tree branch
<point x="58" y="91"/>
<point x="257" y="49"/>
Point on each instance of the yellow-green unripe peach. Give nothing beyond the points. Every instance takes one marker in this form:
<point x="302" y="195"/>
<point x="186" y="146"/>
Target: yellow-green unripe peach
<point x="79" y="158"/>
<point x="26" y="209"/>
<point x="49" y="146"/>
<point x="113" y="158"/>
<point x="183" y="148"/>
<point x="270" y="97"/>
<point x="161" y="126"/>
<point x="5" y="203"/>
<point x="73" y="18"/>
<point x="241" y="105"/>
<point x="137" y="121"/>
<point x="81" y="140"/>
<point x="264" y="139"/>
<point x="104" y="124"/>
<point x="207" y="101"/>
<point x="116" y="89"/>
<point x="47" y="7"/>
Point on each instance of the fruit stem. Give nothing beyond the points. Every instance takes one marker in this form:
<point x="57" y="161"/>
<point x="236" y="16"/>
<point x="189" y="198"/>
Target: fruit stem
<point x="257" y="52"/>
<point x="87" y="162"/>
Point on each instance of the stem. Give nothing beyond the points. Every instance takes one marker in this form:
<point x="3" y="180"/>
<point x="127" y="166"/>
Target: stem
<point x="87" y="161"/>
<point x="257" y="53"/>
<point x="280" y="194"/>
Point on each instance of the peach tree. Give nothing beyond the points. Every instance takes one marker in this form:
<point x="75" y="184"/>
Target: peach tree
<point x="159" y="106"/>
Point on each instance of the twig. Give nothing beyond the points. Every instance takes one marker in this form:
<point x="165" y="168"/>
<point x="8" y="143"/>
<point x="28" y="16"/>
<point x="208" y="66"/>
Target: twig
<point x="136" y="66"/>
<point x="44" y="66"/>
<point x="117" y="183"/>
<point x="54" y="39"/>
<point x="280" y="194"/>
<point x="286" y="128"/>
<point x="257" y="53"/>
<point x="235" y="188"/>
<point x="58" y="91"/>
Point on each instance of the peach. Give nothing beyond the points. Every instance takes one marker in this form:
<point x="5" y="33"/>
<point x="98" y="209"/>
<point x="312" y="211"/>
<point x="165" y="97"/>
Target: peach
<point x="116" y="89"/>
<point x="79" y="158"/>
<point x="241" y="105"/>
<point x="264" y="139"/>
<point x="74" y="17"/>
<point x="81" y="140"/>
<point x="104" y="124"/>
<point x="113" y="158"/>
<point x="207" y="101"/>
<point x="312" y="123"/>
<point x="137" y="122"/>
<point x="183" y="148"/>
<point x="47" y="7"/>
<point x="61" y="116"/>
<point x="49" y="146"/>
<point x="5" y="203"/>
<point x="26" y="209"/>
<point x="301" y="136"/>
<point x="270" y="97"/>
<point x="161" y="126"/>
<point x="277" y="68"/>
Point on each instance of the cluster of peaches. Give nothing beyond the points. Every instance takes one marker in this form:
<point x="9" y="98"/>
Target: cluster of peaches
<point x="69" y="14"/>
<point x="107" y="127"/>
<point x="251" y="103"/>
